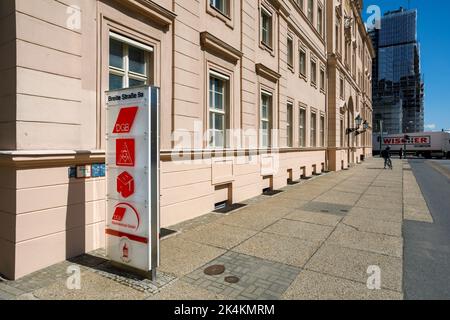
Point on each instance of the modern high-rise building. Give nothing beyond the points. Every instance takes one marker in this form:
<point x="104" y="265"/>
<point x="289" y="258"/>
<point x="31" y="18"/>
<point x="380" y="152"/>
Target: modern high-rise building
<point x="398" y="88"/>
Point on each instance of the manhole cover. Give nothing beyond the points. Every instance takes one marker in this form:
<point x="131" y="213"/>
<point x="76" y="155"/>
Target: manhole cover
<point x="232" y="279"/>
<point x="215" y="270"/>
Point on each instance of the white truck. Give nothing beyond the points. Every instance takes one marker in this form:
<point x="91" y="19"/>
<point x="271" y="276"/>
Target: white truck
<point x="425" y="144"/>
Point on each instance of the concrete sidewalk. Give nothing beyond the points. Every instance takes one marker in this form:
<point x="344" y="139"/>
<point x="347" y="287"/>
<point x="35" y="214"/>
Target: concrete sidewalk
<point x="315" y="240"/>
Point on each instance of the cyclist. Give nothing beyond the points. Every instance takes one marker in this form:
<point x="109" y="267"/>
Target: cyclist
<point x="386" y="155"/>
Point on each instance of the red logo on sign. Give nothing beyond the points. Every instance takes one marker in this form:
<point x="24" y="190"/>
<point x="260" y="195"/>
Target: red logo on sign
<point x="125" y="120"/>
<point x="125" y="152"/>
<point x="119" y="216"/>
<point x="125" y="184"/>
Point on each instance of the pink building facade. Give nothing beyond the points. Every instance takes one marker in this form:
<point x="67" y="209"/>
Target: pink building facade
<point x="249" y="101"/>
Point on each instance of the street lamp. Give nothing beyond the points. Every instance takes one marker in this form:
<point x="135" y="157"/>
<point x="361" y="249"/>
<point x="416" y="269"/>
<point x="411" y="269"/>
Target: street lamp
<point x="358" y="121"/>
<point x="365" y="127"/>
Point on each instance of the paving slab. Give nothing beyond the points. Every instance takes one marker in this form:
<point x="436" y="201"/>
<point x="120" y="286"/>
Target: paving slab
<point x="339" y="197"/>
<point x="349" y="237"/>
<point x="255" y="218"/>
<point x="181" y="290"/>
<point x="287" y="250"/>
<point x="301" y="230"/>
<point x="379" y="204"/>
<point x="377" y="214"/>
<point x="295" y="201"/>
<point x="180" y="256"/>
<point x="311" y="285"/>
<point x="93" y="287"/>
<point x="258" y="279"/>
<point x="374" y="225"/>
<point x="353" y="264"/>
<point x="324" y="219"/>
<point x="218" y="235"/>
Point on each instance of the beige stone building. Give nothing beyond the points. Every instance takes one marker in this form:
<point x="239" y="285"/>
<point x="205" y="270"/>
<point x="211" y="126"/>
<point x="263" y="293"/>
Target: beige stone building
<point x="350" y="54"/>
<point x="274" y="83"/>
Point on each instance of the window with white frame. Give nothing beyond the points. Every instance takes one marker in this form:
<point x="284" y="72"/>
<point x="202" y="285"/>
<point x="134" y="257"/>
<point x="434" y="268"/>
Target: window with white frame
<point x="290" y="51"/>
<point x="313" y="129"/>
<point x="129" y="62"/>
<point x="313" y="71"/>
<point x="310" y="11"/>
<point x="218" y="109"/>
<point x="266" y="27"/>
<point x="338" y="35"/>
<point x="322" y="131"/>
<point x="266" y="118"/>
<point x="302" y="128"/>
<point x="223" y="6"/>
<point x="322" y="79"/>
<point x="289" y="124"/>
<point x="320" y="19"/>
<point x="302" y="62"/>
<point x="341" y="88"/>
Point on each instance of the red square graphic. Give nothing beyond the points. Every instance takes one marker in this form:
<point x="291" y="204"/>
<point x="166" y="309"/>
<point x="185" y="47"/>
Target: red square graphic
<point x="119" y="214"/>
<point x="125" y="120"/>
<point x="125" y="184"/>
<point x="125" y="152"/>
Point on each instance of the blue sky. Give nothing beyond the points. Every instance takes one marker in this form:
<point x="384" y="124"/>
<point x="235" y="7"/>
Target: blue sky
<point x="434" y="36"/>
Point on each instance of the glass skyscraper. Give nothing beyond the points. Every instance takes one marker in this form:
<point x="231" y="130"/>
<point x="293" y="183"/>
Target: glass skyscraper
<point x="398" y="88"/>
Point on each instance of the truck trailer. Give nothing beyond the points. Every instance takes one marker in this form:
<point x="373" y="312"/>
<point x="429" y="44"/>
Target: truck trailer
<point x="424" y="144"/>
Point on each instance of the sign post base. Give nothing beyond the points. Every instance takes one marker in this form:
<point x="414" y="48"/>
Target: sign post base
<point x="151" y="275"/>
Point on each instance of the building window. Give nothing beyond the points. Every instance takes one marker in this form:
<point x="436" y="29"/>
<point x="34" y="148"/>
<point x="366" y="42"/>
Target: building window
<point x="290" y="51"/>
<point x="320" y="20"/>
<point x="129" y="62"/>
<point x="223" y="6"/>
<point x="322" y="131"/>
<point x="218" y="109"/>
<point x="289" y="124"/>
<point x="302" y="62"/>
<point x="342" y="132"/>
<point x="313" y="72"/>
<point x="302" y="127"/>
<point x="311" y="11"/>
<point x="338" y="35"/>
<point x="341" y="88"/>
<point x="299" y="3"/>
<point x="313" y="129"/>
<point x="322" y="79"/>
<point x="266" y="118"/>
<point x="266" y="27"/>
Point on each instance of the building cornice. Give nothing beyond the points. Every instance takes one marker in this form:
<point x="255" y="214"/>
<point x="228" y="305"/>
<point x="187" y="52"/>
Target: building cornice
<point x="214" y="44"/>
<point x="48" y="158"/>
<point x="152" y="10"/>
<point x="267" y="73"/>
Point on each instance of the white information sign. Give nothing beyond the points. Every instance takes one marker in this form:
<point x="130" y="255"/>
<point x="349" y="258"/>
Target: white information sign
<point x="132" y="174"/>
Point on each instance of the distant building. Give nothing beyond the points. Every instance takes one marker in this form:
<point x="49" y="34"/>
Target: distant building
<point x="398" y="88"/>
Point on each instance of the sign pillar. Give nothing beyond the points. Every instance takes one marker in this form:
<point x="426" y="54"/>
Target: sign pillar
<point x="132" y="174"/>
